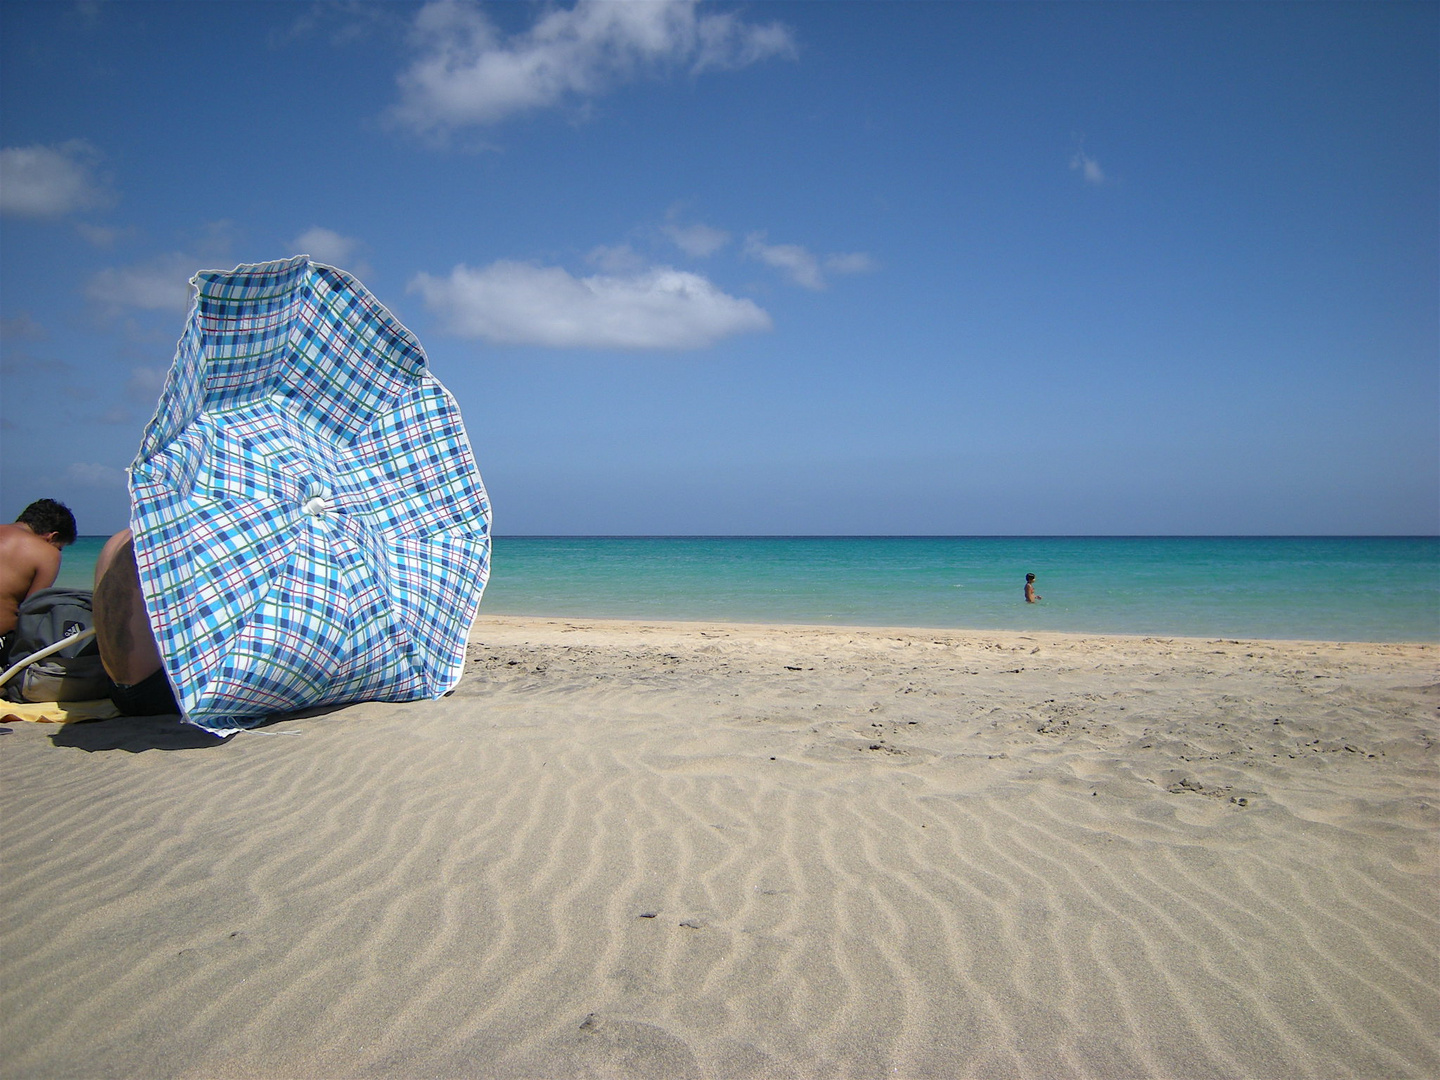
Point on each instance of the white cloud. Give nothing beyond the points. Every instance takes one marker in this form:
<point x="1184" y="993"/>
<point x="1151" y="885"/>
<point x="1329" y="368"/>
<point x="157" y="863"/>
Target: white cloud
<point x="96" y="476"/>
<point x="1088" y="167"/>
<point x="466" y="74"/>
<point x="50" y="181"/>
<point x="521" y="304"/>
<point x="326" y="246"/>
<point x="161" y="284"/>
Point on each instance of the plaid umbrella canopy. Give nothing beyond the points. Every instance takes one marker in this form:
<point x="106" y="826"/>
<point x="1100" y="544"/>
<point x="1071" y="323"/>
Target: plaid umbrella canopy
<point x="310" y="525"/>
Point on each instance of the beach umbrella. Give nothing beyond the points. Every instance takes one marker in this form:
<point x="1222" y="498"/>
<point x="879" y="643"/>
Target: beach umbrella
<point x="310" y="525"/>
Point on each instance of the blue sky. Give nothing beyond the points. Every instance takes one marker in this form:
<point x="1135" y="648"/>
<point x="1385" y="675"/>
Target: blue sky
<point x="769" y="268"/>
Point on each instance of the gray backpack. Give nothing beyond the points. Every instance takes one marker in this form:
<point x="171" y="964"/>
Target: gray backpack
<point x="74" y="672"/>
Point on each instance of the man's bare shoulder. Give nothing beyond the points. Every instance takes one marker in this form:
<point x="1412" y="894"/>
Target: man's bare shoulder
<point x="18" y="538"/>
<point x="28" y="563"/>
<point x="21" y="549"/>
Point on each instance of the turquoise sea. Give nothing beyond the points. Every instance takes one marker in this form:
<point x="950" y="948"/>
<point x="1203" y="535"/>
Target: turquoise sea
<point x="1321" y="588"/>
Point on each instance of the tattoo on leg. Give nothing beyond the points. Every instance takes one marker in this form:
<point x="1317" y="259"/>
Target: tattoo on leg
<point x="114" y="596"/>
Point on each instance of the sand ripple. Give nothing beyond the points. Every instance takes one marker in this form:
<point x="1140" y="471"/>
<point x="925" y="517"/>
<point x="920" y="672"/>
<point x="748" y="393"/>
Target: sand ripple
<point x="724" y="851"/>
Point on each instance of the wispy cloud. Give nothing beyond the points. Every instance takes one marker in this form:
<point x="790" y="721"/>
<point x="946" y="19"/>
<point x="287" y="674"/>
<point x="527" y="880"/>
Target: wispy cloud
<point x="18" y="362"/>
<point x="104" y="236"/>
<point x="696" y="240"/>
<point x="1088" y="167"/>
<point x="855" y="262"/>
<point x="802" y="266"/>
<point x="616" y="259"/>
<point x="799" y="265"/>
<point x="17" y="334"/>
<point x="517" y="303"/>
<point x="162" y="282"/>
<point x="332" y="249"/>
<point x="21" y="327"/>
<point x="88" y="474"/>
<point x="51" y="181"/>
<point x="145" y="383"/>
<point x="466" y="73"/>
<point x="158" y="284"/>
<point x="343" y="22"/>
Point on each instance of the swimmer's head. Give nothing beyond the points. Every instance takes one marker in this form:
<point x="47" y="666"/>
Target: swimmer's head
<point x="1029" y="577"/>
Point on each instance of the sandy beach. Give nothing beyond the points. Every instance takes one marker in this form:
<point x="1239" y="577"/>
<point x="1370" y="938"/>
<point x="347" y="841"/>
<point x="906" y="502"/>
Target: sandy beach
<point x="710" y="850"/>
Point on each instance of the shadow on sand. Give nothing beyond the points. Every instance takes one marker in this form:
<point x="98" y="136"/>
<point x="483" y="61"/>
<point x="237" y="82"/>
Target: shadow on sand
<point x="136" y="734"/>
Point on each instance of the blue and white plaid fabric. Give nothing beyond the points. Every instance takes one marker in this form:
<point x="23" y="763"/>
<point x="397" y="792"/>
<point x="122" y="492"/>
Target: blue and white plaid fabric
<point x="310" y="525"/>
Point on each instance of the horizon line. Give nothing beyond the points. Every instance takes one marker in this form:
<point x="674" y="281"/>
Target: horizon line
<point x="934" y="536"/>
<point x="966" y="536"/>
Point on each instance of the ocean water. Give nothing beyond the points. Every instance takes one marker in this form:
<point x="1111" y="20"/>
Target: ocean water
<point x="77" y="563"/>
<point x="1320" y="588"/>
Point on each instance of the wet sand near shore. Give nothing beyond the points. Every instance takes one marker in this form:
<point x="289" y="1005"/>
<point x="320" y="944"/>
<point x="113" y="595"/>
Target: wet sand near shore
<point x="711" y="850"/>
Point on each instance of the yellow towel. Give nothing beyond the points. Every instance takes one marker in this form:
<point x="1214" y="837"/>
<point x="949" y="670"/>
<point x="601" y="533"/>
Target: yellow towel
<point x="58" y="712"/>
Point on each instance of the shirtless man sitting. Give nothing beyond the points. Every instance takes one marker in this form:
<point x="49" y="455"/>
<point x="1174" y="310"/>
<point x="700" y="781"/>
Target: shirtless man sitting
<point x="122" y="629"/>
<point x="30" y="558"/>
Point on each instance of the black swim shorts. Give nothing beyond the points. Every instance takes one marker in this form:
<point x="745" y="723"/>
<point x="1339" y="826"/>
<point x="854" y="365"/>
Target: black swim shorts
<point x="148" y="697"/>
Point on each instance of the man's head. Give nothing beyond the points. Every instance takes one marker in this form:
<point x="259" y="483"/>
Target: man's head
<point x="50" y="519"/>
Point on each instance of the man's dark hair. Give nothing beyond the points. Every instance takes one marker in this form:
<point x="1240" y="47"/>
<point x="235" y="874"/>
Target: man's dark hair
<point x="48" y="516"/>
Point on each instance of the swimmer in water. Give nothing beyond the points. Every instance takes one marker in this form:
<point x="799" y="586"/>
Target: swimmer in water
<point x="1030" y="594"/>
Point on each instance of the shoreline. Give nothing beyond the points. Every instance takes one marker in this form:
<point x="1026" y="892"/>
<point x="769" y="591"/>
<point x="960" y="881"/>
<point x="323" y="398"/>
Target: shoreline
<point x="680" y="625"/>
<point x="641" y="849"/>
